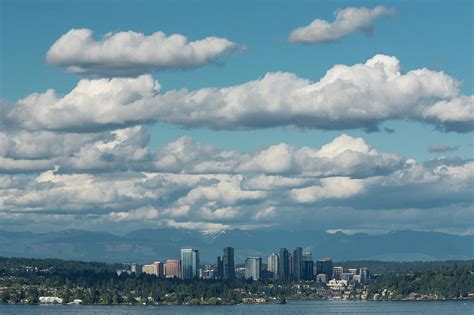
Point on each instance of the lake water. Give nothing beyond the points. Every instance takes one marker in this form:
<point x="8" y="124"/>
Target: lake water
<point x="292" y="307"/>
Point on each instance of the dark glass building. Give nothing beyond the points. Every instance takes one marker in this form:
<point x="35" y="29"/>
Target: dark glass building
<point x="325" y="266"/>
<point x="228" y="263"/>
<point x="220" y="268"/>
<point x="307" y="272"/>
<point x="297" y="264"/>
<point x="284" y="265"/>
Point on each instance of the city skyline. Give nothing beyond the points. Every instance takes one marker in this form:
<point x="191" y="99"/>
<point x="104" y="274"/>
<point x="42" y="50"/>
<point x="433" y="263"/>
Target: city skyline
<point x="300" y="267"/>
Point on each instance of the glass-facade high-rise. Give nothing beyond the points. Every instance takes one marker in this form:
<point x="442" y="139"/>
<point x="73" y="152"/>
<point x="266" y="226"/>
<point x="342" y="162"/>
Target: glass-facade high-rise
<point x="220" y="268"/>
<point x="228" y="263"/>
<point x="284" y="265"/>
<point x="297" y="263"/>
<point x="253" y="265"/>
<point x="272" y="264"/>
<point x="307" y="272"/>
<point x="189" y="263"/>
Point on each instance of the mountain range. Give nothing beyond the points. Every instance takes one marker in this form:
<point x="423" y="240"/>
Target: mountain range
<point x="147" y="245"/>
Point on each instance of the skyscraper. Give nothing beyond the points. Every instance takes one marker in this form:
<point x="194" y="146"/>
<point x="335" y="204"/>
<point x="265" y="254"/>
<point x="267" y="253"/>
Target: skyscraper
<point x="189" y="263"/>
<point x="283" y="265"/>
<point x="272" y="264"/>
<point x="228" y="263"/>
<point x="307" y="272"/>
<point x="297" y="263"/>
<point x="220" y="268"/>
<point x="253" y="265"/>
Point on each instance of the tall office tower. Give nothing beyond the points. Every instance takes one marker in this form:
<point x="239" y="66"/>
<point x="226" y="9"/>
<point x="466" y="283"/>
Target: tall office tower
<point x="173" y="268"/>
<point x="220" y="268"/>
<point x="272" y="264"/>
<point x="253" y="265"/>
<point x="352" y="271"/>
<point x="308" y="266"/>
<point x="337" y="272"/>
<point x="324" y="266"/>
<point x="189" y="263"/>
<point x="283" y="264"/>
<point x="290" y="265"/>
<point x="297" y="265"/>
<point x="364" y="274"/>
<point x="228" y="263"/>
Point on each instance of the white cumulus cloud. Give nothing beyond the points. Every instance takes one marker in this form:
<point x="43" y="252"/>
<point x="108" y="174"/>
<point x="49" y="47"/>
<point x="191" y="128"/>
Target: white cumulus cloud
<point x="128" y="53"/>
<point x="347" y="97"/>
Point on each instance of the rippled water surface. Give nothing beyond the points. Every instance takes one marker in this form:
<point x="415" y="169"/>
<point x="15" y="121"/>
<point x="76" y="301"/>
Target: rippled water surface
<point x="293" y="307"/>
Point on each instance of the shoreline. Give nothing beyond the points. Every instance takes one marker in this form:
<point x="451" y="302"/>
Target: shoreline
<point x="289" y="301"/>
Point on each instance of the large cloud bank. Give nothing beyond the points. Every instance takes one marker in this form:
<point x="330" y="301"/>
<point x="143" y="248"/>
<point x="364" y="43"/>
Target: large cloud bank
<point x="112" y="179"/>
<point x="361" y="96"/>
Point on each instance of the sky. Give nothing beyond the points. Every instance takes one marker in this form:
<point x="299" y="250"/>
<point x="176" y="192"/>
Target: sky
<point x="210" y="115"/>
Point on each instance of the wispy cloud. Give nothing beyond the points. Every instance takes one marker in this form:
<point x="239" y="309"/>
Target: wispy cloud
<point x="441" y="148"/>
<point x="347" y="21"/>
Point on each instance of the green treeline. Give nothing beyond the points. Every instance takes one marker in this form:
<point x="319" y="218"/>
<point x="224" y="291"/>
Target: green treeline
<point x="402" y="267"/>
<point x="25" y="280"/>
<point x="452" y="281"/>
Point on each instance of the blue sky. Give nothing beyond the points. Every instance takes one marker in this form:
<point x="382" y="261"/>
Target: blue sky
<point x="436" y="35"/>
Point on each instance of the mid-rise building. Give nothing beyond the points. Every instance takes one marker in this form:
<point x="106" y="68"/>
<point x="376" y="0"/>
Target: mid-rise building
<point x="135" y="268"/>
<point x="347" y="276"/>
<point x="337" y="272"/>
<point x="207" y="272"/>
<point x="322" y="278"/>
<point x="228" y="263"/>
<point x="253" y="265"/>
<point x="189" y="263"/>
<point x="325" y="266"/>
<point x="155" y="269"/>
<point x="173" y="268"/>
<point x="356" y="278"/>
<point x="364" y="274"/>
<point x="283" y="264"/>
<point x="272" y="264"/>
<point x="352" y="271"/>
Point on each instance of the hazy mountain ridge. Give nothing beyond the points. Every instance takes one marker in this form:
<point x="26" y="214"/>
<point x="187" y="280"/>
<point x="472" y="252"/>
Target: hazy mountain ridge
<point x="159" y="244"/>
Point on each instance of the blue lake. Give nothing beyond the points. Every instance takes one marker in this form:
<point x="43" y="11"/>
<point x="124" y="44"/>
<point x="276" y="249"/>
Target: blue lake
<point x="293" y="307"/>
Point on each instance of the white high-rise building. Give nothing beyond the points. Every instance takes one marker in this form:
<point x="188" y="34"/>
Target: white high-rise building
<point x="272" y="264"/>
<point x="253" y="265"/>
